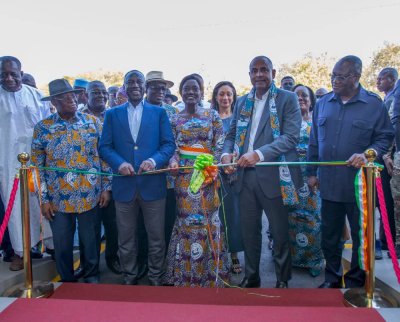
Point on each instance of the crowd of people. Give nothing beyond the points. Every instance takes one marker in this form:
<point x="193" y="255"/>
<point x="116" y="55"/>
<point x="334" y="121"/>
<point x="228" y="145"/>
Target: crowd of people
<point x="116" y="142"/>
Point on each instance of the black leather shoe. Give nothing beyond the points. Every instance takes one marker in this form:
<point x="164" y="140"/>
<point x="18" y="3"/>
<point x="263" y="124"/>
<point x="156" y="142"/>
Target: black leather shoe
<point x="114" y="266"/>
<point x="142" y="271"/>
<point x="128" y="281"/>
<point x="246" y="283"/>
<point x="78" y="273"/>
<point x="52" y="253"/>
<point x="281" y="285"/>
<point x="330" y="285"/>
<point x="7" y="256"/>
<point x="36" y="253"/>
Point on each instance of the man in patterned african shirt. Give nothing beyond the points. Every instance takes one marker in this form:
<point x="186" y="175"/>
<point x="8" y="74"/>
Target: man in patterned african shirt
<point x="69" y="139"/>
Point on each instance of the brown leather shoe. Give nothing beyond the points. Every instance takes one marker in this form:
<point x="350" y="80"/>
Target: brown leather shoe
<point x="17" y="263"/>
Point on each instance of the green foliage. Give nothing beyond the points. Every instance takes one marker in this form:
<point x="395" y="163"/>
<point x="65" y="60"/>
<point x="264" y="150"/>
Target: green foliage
<point x="387" y="56"/>
<point x="109" y="78"/>
<point x="309" y="70"/>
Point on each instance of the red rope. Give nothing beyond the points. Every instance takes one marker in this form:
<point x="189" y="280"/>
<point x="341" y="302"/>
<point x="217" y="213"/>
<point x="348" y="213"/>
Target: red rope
<point x="388" y="234"/>
<point x="10" y="206"/>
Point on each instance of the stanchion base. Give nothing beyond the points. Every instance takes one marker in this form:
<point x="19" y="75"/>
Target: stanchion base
<point x="357" y="297"/>
<point x="39" y="290"/>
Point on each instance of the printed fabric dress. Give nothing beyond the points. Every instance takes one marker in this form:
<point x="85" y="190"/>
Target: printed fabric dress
<point x="305" y="218"/>
<point x="193" y="258"/>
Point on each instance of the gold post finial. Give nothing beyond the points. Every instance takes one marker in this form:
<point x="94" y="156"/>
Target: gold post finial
<point x="371" y="155"/>
<point x="23" y="157"/>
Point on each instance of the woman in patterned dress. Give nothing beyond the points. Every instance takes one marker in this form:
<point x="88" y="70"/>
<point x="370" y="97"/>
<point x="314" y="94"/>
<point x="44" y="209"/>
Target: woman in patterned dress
<point x="197" y="254"/>
<point x="305" y="219"/>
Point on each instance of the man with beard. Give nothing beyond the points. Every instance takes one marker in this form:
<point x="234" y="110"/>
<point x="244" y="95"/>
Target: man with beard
<point x="21" y="109"/>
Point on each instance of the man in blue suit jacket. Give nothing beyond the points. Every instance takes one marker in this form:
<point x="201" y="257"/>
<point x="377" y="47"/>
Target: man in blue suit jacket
<point x="137" y="137"/>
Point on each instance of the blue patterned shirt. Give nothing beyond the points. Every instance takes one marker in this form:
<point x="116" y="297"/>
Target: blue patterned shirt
<point x="71" y="144"/>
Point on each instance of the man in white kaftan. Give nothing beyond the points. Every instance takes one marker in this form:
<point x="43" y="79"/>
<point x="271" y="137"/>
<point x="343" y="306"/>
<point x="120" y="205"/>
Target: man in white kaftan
<point x="20" y="110"/>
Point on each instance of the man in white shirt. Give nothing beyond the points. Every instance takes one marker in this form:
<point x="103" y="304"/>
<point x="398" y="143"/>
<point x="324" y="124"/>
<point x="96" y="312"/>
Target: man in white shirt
<point x="253" y="138"/>
<point x="21" y="108"/>
<point x="137" y="137"/>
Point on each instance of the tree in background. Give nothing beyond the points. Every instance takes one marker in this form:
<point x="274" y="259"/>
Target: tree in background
<point x="387" y="56"/>
<point x="309" y="70"/>
<point x="313" y="71"/>
<point x="107" y="77"/>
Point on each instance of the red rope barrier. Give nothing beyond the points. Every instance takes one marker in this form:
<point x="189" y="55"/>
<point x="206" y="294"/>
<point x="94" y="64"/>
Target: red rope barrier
<point x="386" y="227"/>
<point x="10" y="206"/>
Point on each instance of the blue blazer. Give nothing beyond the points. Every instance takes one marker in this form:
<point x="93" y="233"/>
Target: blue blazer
<point x="155" y="140"/>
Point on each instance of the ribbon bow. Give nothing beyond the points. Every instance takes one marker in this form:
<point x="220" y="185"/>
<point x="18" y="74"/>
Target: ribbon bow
<point x="204" y="172"/>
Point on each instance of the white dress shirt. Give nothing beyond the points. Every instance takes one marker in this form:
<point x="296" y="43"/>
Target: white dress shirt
<point x="134" y="119"/>
<point x="255" y="121"/>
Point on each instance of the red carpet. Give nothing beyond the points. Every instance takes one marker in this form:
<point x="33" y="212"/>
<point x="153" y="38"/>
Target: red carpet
<point x="40" y="310"/>
<point x="207" y="296"/>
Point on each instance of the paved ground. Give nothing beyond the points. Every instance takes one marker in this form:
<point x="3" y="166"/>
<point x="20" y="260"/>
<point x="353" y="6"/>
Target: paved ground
<point x="301" y="278"/>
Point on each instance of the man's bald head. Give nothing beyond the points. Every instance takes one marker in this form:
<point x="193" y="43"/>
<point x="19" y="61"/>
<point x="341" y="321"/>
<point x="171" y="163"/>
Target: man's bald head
<point x="263" y="58"/>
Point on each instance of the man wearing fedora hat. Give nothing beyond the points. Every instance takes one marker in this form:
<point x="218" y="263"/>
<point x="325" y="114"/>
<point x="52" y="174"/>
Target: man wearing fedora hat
<point x="156" y="89"/>
<point x="137" y="137"/>
<point x="69" y="139"/>
<point x="169" y="98"/>
<point x="21" y="109"/>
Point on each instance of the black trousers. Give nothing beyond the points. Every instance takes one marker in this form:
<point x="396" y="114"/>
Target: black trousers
<point x="333" y="221"/>
<point x="107" y="215"/>
<point x="387" y="192"/>
<point x="170" y="215"/>
<point x="63" y="228"/>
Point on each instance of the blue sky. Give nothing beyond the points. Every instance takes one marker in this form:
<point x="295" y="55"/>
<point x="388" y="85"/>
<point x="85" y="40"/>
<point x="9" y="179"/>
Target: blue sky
<point x="211" y="37"/>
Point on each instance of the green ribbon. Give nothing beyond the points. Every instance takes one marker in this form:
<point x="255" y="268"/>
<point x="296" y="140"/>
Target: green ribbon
<point x="202" y="161"/>
<point x="79" y="171"/>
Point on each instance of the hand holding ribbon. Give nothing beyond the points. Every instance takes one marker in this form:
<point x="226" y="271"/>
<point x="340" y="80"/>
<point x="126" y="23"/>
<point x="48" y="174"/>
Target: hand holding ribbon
<point x="204" y="172"/>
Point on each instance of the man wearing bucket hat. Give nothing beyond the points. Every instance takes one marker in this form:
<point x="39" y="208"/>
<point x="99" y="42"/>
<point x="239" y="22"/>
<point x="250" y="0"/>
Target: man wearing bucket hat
<point x="156" y="89"/>
<point x="69" y="139"/>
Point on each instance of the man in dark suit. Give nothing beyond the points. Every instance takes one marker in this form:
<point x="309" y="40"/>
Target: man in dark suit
<point x="265" y="127"/>
<point x="137" y="137"/>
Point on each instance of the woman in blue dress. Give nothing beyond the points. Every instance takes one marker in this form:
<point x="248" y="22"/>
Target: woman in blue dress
<point x="223" y="101"/>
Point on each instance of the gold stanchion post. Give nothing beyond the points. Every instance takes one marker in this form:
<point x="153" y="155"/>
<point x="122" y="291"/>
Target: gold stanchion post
<point x="28" y="289"/>
<point x="370" y="297"/>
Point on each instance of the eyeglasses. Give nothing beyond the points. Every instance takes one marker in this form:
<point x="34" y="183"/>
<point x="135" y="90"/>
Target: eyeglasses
<point x="158" y="88"/>
<point x="98" y="93"/>
<point x="65" y="97"/>
<point x="340" y="78"/>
